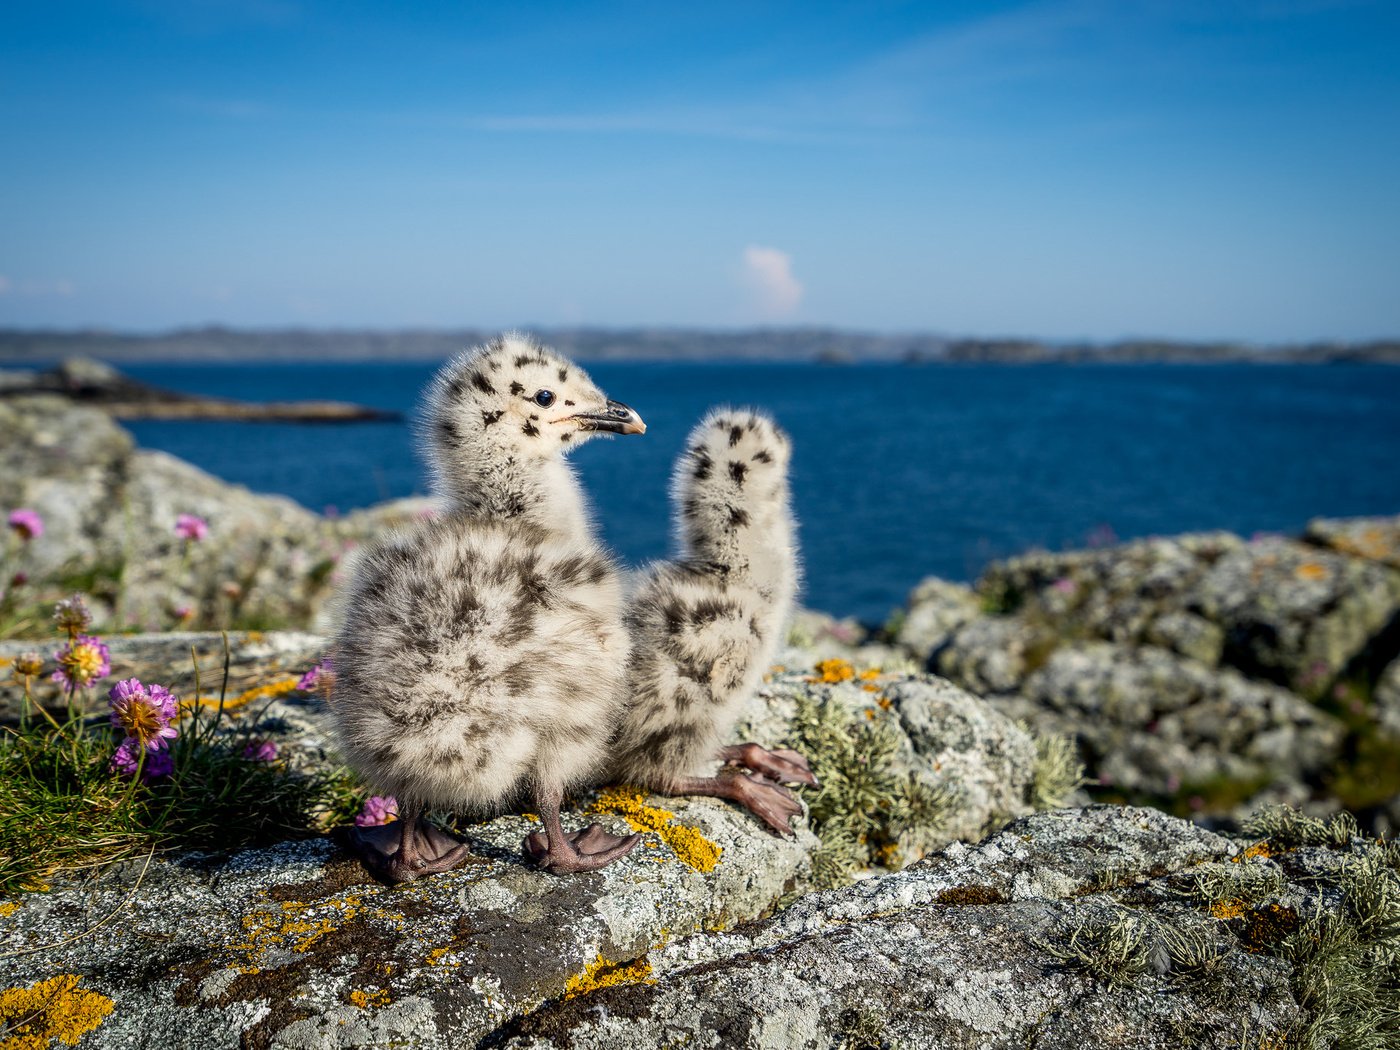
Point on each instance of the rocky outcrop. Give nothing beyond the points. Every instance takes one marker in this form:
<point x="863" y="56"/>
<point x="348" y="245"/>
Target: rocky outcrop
<point x="109" y="512"/>
<point x="1106" y="927"/>
<point x="295" y="946"/>
<point x="1201" y="672"/>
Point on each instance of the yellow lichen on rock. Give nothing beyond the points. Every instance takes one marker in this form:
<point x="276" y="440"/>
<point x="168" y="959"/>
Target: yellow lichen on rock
<point x="688" y="844"/>
<point x="1258" y="851"/>
<point x="31" y="1018"/>
<point x="835" y="670"/>
<point x="364" y="1000"/>
<point x="1227" y="909"/>
<point x="1311" y="570"/>
<point x="8" y="908"/>
<point x="258" y="692"/>
<point x="604" y="973"/>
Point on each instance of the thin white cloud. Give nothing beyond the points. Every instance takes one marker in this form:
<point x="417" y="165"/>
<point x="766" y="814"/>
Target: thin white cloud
<point x="30" y="289"/>
<point x="768" y="276"/>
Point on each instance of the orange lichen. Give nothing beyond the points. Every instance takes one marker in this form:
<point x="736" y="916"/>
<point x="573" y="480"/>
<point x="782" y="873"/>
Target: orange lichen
<point x="8" y="908"/>
<point x="31" y="1018"/>
<point x="689" y="845"/>
<point x="364" y="1000"/>
<point x="870" y="674"/>
<point x="604" y="973"/>
<point x="1259" y="851"/>
<point x="1232" y="908"/>
<point x="834" y="671"/>
<point x="1311" y="570"/>
<point x="258" y="692"/>
<point x="1267" y="926"/>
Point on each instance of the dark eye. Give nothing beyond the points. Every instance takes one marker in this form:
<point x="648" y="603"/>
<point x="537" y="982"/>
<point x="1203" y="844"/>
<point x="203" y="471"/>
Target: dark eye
<point x="544" y="398"/>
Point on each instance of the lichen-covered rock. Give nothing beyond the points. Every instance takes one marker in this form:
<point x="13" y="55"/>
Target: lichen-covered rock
<point x="994" y="654"/>
<point x="1387" y="699"/>
<point x="1155" y="722"/>
<point x="1296" y="614"/>
<point x="295" y="946"/>
<point x="935" y="609"/>
<point x="1105" y="927"/>
<point x="1375" y="538"/>
<point x="980" y="762"/>
<point x="110" y="510"/>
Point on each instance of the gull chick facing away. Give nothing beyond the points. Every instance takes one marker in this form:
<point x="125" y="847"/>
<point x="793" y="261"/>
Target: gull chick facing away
<point x="706" y="625"/>
<point x="483" y="654"/>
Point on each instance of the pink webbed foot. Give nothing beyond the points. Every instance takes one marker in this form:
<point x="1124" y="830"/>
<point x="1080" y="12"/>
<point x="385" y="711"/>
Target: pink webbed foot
<point x="771" y="803"/>
<point x="783" y="766"/>
<point x="586" y="850"/>
<point x="404" y="850"/>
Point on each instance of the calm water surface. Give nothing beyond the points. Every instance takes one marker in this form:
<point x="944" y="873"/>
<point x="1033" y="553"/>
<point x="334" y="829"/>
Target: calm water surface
<point x="898" y="472"/>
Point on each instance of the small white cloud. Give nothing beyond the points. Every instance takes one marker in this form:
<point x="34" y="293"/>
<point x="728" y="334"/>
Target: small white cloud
<point x="768" y="276"/>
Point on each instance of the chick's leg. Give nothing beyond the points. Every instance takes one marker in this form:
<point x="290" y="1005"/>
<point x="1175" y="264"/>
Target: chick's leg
<point x="586" y="850"/>
<point x="784" y="766"/>
<point x="772" y="803"/>
<point x="404" y="849"/>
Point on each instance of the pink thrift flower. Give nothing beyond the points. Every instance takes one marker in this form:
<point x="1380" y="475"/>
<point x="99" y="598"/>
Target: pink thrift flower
<point x="128" y="754"/>
<point x="27" y="523"/>
<point x="323" y="671"/>
<point x="81" y="662"/>
<point x="261" y="751"/>
<point x="145" y="712"/>
<point x="191" y="528"/>
<point x="379" y="809"/>
<point x="1065" y="585"/>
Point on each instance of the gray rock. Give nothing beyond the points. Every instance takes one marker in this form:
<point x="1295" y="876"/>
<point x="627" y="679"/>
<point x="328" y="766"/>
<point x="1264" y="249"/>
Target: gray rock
<point x="109" y="512"/>
<point x="935" y="609"/>
<point x="1375" y="538"/>
<point x="976" y="947"/>
<point x="1387" y="699"/>
<point x="1297" y="614"/>
<point x="994" y="654"/>
<point x="295" y="946"/>
<point x="1153" y="721"/>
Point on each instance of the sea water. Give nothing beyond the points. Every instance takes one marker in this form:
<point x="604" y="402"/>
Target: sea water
<point x="898" y="471"/>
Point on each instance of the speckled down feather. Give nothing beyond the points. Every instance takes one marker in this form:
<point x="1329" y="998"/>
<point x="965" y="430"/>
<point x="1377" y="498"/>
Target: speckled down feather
<point x="706" y="626"/>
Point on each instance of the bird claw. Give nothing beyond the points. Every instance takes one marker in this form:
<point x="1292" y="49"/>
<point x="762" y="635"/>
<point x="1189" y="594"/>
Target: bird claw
<point x="783" y="765"/>
<point x="772" y="803"/>
<point x="586" y="850"/>
<point x="382" y="850"/>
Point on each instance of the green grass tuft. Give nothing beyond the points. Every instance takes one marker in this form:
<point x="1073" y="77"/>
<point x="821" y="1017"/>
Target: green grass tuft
<point x="62" y="809"/>
<point x="1289" y="828"/>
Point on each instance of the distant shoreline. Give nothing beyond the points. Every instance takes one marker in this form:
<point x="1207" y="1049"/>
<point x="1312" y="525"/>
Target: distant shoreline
<point x="32" y="347"/>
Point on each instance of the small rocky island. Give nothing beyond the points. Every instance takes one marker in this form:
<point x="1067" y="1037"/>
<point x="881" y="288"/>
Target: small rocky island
<point x="92" y="382"/>
<point x="1134" y="796"/>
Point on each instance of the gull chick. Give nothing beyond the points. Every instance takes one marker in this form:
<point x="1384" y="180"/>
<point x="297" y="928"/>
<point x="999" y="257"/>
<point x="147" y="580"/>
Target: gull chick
<point x="483" y="653"/>
<point x="706" y="625"/>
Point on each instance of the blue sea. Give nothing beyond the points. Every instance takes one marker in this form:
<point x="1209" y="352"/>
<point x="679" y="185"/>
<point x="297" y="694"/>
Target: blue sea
<point x="899" y="471"/>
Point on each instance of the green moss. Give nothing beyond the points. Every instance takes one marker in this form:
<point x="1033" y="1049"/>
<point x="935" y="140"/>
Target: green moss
<point x="864" y="809"/>
<point x="978" y="896"/>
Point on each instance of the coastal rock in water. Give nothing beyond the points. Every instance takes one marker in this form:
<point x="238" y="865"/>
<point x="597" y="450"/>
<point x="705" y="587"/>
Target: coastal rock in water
<point x="1105" y="927"/>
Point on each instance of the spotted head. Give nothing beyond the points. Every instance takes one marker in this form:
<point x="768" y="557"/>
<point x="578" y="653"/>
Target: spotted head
<point x="519" y="399"/>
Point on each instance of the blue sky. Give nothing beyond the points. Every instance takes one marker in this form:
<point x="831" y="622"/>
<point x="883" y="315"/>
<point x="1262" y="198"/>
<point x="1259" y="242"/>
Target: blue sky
<point x="1064" y="169"/>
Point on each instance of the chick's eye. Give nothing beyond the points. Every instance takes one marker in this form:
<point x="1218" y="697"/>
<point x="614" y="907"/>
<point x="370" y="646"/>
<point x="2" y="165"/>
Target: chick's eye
<point x="544" y="398"/>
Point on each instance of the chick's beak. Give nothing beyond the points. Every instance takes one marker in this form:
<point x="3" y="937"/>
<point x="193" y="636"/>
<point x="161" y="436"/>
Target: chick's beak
<point x="616" y="418"/>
